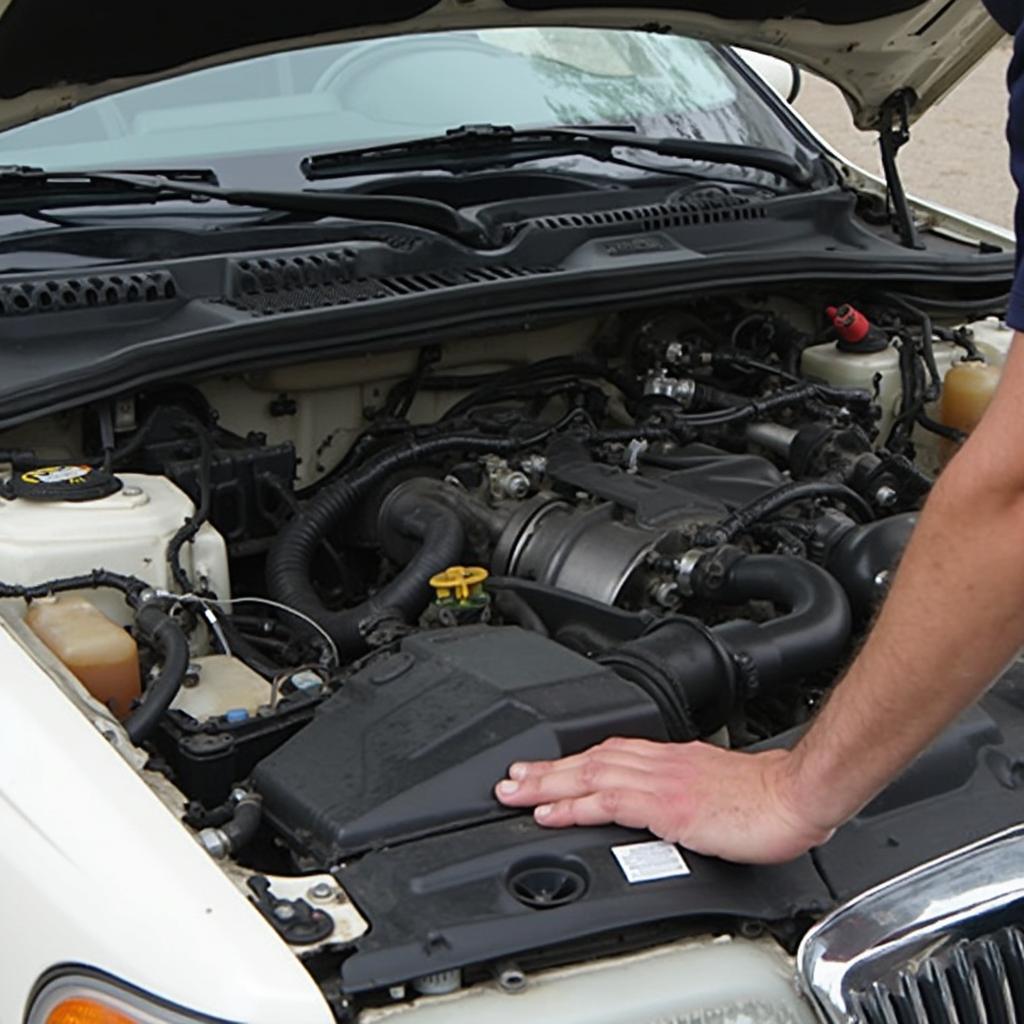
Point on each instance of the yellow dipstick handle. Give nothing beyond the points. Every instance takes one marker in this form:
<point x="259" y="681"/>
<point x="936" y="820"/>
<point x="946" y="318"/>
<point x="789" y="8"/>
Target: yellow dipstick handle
<point x="458" y="581"/>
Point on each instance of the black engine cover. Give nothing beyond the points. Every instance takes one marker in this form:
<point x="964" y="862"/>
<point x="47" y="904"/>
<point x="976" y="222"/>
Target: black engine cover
<point x="415" y="742"/>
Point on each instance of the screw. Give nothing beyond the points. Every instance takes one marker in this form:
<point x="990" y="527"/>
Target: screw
<point x="284" y="912"/>
<point x="131" y="492"/>
<point x="886" y="496"/>
<point x="321" y="891"/>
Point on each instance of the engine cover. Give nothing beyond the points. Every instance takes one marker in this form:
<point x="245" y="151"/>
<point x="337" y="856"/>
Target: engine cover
<point x="415" y="742"/>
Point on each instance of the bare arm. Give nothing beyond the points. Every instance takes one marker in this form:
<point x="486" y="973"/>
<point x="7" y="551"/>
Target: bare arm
<point x="953" y="620"/>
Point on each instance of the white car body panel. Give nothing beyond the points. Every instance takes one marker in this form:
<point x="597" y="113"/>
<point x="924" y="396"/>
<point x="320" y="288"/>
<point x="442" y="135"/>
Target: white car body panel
<point x="96" y="871"/>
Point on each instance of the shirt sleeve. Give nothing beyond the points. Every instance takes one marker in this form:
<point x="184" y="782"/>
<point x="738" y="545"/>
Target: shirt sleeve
<point x="1015" y="137"/>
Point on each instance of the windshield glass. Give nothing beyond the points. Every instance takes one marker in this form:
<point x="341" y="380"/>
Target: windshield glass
<point x="360" y="93"/>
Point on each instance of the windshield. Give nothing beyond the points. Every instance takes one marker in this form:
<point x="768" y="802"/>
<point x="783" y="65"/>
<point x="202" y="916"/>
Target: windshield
<point x="362" y="93"/>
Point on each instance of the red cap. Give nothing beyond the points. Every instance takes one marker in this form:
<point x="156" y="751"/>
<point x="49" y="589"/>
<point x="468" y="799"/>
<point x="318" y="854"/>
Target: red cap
<point x="851" y="324"/>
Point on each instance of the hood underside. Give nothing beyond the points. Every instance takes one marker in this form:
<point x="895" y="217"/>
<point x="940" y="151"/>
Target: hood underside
<point x="55" y="54"/>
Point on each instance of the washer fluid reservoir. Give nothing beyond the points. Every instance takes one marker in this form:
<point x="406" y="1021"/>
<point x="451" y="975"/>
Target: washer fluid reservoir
<point x="126" y="532"/>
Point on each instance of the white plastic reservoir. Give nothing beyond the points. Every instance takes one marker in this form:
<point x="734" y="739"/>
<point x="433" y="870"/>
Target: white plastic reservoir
<point x="126" y="532"/>
<point x="861" y="370"/>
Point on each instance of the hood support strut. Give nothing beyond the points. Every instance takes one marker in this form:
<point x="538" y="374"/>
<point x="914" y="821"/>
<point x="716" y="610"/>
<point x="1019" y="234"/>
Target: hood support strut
<point x="893" y="135"/>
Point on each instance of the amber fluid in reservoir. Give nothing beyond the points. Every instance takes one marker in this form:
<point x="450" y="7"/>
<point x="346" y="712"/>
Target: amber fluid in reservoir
<point x="103" y="657"/>
<point x="966" y="393"/>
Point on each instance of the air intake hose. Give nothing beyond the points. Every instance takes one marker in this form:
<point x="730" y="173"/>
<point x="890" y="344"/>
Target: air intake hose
<point x="812" y="633"/>
<point x="698" y="676"/>
<point x="436" y="531"/>
<point x="858" y="556"/>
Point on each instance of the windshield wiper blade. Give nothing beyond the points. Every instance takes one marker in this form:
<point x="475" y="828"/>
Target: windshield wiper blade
<point x="505" y="144"/>
<point x="24" y="189"/>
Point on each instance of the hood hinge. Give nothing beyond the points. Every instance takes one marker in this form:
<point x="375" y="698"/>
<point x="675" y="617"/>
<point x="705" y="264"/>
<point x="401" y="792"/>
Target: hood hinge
<point x="893" y="135"/>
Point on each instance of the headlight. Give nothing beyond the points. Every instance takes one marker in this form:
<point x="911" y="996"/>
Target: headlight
<point x="81" y="999"/>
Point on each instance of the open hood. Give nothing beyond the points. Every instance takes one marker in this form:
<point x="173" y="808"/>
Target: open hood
<point x="55" y="54"/>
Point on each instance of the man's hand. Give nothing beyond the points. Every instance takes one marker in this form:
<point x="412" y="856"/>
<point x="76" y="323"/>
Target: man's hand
<point x="737" y="806"/>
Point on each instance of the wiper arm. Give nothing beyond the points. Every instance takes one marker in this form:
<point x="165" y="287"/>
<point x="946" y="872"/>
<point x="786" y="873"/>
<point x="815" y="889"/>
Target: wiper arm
<point x="505" y="144"/>
<point x="31" y="188"/>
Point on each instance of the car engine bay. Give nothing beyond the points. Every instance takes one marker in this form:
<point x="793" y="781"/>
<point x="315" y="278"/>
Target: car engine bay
<point x="358" y="589"/>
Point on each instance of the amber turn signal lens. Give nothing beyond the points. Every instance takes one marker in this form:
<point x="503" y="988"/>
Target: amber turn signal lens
<point x="86" y="1011"/>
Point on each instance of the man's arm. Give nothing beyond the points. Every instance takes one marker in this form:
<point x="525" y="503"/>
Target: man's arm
<point x="954" y="618"/>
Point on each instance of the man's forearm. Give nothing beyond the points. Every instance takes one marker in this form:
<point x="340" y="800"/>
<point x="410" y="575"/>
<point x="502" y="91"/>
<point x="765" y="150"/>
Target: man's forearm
<point x="953" y="620"/>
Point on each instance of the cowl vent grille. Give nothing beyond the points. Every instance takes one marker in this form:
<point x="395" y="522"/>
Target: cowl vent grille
<point x="270" y="274"/>
<point x="707" y="210"/>
<point x="61" y="294"/>
<point x="266" y="287"/>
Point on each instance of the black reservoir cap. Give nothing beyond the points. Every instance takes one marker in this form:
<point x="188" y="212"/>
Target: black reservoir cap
<point x="64" y="483"/>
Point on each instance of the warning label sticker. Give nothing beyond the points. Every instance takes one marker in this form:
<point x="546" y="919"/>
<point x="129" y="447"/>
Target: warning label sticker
<point x="56" y="475"/>
<point x="648" y="862"/>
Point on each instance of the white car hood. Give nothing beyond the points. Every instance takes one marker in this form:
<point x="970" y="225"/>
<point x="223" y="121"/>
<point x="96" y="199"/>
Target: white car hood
<point x="55" y="54"/>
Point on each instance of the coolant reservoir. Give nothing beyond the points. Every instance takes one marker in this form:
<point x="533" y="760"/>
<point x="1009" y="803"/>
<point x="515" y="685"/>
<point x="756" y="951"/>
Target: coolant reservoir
<point x="966" y="393"/>
<point x="100" y="653"/>
<point x="126" y="532"/>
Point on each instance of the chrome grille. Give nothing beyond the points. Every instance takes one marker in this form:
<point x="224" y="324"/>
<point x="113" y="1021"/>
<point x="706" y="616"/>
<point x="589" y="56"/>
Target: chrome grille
<point x="942" y="944"/>
<point x="974" y="982"/>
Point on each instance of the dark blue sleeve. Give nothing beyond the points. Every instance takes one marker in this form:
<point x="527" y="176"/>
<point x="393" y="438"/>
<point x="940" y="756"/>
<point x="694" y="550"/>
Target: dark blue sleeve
<point x="1015" y="136"/>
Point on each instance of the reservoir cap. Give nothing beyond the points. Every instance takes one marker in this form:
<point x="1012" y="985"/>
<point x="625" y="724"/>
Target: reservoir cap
<point x="64" y="483"/>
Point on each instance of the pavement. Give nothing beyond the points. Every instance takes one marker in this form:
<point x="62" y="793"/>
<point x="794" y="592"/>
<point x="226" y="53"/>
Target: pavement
<point x="957" y="154"/>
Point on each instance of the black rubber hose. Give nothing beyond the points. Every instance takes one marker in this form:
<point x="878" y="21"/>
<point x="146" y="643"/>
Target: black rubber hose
<point x="162" y="632"/>
<point x="290" y="562"/>
<point x="239" y="830"/>
<point x="812" y="633"/>
<point x="860" y="553"/>
<point x="436" y="530"/>
<point x="513" y="609"/>
<point x="743" y="518"/>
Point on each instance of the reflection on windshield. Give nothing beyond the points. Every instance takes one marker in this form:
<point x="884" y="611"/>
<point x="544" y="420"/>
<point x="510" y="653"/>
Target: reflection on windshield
<point x="367" y="92"/>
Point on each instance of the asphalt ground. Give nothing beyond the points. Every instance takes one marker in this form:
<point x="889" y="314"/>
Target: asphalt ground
<point x="957" y="153"/>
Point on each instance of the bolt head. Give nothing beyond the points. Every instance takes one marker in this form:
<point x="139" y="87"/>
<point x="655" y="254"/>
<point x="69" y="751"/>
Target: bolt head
<point x="284" y="912"/>
<point x="214" y="842"/>
<point x="886" y="496"/>
<point x="321" y="891"/>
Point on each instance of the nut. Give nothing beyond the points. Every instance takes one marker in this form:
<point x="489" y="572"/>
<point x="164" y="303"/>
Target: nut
<point x="214" y="842"/>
